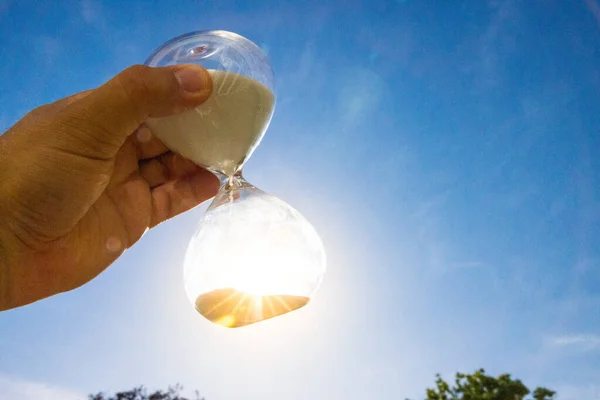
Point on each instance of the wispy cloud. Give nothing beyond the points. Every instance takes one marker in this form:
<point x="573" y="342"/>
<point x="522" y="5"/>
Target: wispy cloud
<point x="594" y="8"/>
<point x="580" y="342"/>
<point x="494" y="46"/>
<point x="574" y="392"/>
<point x="91" y="11"/>
<point x="51" y="48"/>
<point x="4" y="5"/>
<point x="21" y="389"/>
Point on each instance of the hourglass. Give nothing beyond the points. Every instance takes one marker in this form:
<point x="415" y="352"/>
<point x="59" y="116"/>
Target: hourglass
<point x="253" y="257"/>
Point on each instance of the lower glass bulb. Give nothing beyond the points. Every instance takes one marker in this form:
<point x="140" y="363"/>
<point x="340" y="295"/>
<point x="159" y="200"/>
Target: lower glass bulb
<point x="253" y="257"/>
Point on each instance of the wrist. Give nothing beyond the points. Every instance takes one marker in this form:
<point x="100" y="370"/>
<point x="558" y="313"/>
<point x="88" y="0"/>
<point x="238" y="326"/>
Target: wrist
<point x="5" y="291"/>
<point x="4" y="280"/>
<point x="5" y="285"/>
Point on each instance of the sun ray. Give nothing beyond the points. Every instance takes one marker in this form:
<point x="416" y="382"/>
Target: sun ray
<point x="219" y="304"/>
<point x="283" y="303"/>
<point x="270" y="304"/>
<point x="239" y="303"/>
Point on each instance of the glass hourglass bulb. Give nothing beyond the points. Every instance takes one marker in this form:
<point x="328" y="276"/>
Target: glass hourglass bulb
<point x="253" y="257"/>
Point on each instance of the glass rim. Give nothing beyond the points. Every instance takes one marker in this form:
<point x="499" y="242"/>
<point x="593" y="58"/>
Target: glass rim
<point x="212" y="32"/>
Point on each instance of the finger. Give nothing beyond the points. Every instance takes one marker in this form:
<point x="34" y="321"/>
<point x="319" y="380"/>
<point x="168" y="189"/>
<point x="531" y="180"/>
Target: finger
<point x="181" y="195"/>
<point x="154" y="172"/>
<point x="97" y="125"/>
<point x="148" y="145"/>
<point x="125" y="164"/>
<point x="167" y="167"/>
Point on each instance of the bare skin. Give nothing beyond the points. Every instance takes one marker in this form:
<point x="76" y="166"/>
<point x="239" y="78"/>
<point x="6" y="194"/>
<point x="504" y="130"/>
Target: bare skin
<point x="83" y="178"/>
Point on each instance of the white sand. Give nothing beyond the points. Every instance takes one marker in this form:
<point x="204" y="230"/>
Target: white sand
<point x="224" y="131"/>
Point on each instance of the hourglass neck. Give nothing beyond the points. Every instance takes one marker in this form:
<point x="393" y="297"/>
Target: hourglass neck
<point x="233" y="188"/>
<point x="235" y="180"/>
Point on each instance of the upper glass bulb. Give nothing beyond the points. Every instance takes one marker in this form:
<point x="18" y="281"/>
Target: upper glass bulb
<point x="221" y="133"/>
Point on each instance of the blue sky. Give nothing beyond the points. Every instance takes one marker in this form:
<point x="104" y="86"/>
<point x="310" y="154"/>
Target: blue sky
<point x="447" y="152"/>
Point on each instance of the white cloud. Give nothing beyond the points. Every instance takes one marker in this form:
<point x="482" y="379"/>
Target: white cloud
<point x="583" y="342"/>
<point x="14" y="388"/>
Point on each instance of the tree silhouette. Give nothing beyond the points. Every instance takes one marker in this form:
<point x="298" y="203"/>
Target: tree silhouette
<point x="479" y="386"/>
<point x="140" y="393"/>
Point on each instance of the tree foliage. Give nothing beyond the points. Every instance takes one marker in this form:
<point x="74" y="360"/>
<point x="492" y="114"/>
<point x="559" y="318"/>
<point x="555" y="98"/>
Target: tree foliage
<point x="479" y="386"/>
<point x="140" y="393"/>
<point x="476" y="386"/>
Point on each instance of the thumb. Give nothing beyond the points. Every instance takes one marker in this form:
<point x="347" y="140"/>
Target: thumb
<point x="99" y="123"/>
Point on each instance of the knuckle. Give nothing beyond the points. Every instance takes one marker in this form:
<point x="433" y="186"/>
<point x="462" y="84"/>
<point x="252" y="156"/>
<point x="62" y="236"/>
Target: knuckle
<point x="81" y="136"/>
<point x="134" y="86"/>
<point x="38" y="113"/>
<point x="133" y="81"/>
<point x="41" y="110"/>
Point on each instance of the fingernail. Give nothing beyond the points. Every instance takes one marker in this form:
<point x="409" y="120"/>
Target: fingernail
<point x="193" y="79"/>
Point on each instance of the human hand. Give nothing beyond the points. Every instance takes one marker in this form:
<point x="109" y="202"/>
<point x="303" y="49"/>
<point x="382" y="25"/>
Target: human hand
<point x="83" y="178"/>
